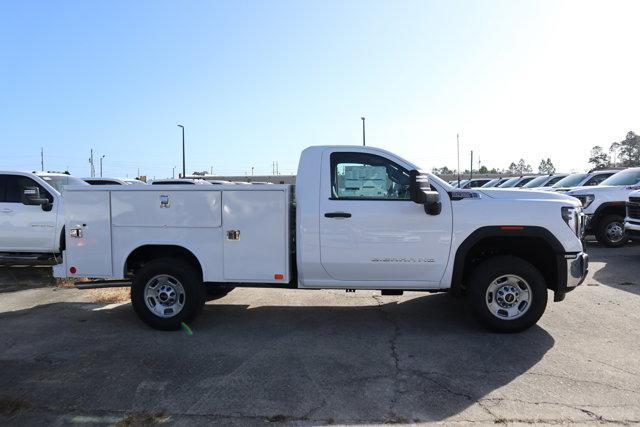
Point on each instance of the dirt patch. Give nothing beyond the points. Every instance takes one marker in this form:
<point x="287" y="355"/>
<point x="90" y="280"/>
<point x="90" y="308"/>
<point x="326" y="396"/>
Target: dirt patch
<point x="143" y="419"/>
<point x="110" y="295"/>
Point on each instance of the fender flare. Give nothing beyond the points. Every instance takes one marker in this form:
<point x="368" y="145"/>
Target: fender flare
<point x="497" y="231"/>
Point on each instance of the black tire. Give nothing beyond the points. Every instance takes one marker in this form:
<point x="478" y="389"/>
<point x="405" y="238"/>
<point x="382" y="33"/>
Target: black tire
<point x="187" y="276"/>
<point x="217" y="291"/>
<point x="601" y="231"/>
<point x="490" y="270"/>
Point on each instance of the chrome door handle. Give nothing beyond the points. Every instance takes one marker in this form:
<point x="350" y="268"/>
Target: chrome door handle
<point x="7" y="210"/>
<point x="337" y="215"/>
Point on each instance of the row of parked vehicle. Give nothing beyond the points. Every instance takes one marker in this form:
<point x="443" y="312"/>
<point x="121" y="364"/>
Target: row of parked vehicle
<point x="610" y="200"/>
<point x="551" y="182"/>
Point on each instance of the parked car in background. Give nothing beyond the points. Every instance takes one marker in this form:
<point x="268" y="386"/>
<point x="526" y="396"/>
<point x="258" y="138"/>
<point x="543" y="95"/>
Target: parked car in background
<point x="113" y="181"/>
<point x="516" y="182"/>
<point x="632" y="219"/>
<point x="32" y="216"/>
<point x="582" y="179"/>
<point x="180" y="181"/>
<point x="544" y="180"/>
<point x="495" y="182"/>
<point x="474" y="183"/>
<point x="604" y="206"/>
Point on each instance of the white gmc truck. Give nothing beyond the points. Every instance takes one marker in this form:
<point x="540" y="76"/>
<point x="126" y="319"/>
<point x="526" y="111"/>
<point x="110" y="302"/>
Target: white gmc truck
<point x="357" y="218"/>
<point x="32" y="216"/>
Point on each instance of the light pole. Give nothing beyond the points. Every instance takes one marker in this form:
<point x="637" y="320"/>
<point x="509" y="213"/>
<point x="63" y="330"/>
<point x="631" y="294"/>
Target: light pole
<point x="184" y="169"/>
<point x="173" y="173"/>
<point x="101" y="164"/>
<point x="363" y="140"/>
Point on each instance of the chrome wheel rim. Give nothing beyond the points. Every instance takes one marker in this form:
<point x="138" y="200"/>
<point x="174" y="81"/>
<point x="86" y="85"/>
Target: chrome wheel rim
<point x="508" y="297"/>
<point x="615" y="232"/>
<point x="164" y="296"/>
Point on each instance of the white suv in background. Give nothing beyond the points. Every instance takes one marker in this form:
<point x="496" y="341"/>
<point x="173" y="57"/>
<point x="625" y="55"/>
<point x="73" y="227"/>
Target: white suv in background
<point x="604" y="206"/>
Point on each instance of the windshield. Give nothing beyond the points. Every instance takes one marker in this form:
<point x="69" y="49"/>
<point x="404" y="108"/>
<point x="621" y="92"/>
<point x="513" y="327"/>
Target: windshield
<point x="60" y="181"/>
<point x="536" y="182"/>
<point x="570" y="181"/>
<point x="511" y="182"/>
<point x="626" y="177"/>
<point x="491" y="183"/>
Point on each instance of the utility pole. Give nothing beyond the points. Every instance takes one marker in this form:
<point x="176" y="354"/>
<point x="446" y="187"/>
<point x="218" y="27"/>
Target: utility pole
<point x="93" y="169"/>
<point x="471" y="173"/>
<point x="184" y="169"/>
<point x="251" y="170"/>
<point x="458" y="142"/>
<point x="363" y="139"/>
<point x="42" y="159"/>
<point x="173" y="172"/>
<point x="101" y="164"/>
<point x="277" y="168"/>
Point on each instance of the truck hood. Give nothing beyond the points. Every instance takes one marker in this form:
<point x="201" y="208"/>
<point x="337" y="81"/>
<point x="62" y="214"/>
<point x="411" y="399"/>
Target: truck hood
<point x="594" y="189"/>
<point x="497" y="193"/>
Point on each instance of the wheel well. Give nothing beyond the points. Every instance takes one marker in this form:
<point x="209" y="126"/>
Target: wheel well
<point x="609" y="209"/>
<point x="144" y="254"/>
<point x="533" y="249"/>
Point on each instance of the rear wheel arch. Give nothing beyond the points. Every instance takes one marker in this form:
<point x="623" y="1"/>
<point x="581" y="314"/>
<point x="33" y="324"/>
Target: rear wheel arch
<point x="536" y="245"/>
<point x="144" y="254"/>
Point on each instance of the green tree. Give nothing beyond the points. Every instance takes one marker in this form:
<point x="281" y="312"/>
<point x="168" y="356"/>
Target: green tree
<point x="628" y="150"/>
<point x="546" y="167"/>
<point x="520" y="168"/>
<point x="598" y="158"/>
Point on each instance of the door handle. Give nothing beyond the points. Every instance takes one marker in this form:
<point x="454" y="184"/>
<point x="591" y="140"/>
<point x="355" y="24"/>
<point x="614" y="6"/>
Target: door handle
<point x="7" y="210"/>
<point x="337" y="215"/>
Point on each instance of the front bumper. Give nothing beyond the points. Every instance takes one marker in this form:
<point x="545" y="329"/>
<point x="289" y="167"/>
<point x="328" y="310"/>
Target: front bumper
<point x="572" y="270"/>
<point x="577" y="268"/>
<point x="632" y="228"/>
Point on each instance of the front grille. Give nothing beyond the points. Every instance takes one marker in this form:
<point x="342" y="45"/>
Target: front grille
<point x="634" y="200"/>
<point x="633" y="209"/>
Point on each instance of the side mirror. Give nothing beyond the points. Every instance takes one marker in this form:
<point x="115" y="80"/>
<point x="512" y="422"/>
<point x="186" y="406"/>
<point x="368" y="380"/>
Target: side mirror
<point x="31" y="197"/>
<point x="421" y="193"/>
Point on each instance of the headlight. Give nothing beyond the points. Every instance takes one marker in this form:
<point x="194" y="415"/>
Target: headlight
<point x="571" y="216"/>
<point x="585" y="199"/>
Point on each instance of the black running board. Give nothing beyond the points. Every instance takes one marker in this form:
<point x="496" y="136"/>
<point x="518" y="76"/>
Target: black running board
<point x="100" y="284"/>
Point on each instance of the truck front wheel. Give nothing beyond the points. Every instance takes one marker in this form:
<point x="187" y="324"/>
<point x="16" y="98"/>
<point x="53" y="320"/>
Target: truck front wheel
<point x="610" y="231"/>
<point x="167" y="292"/>
<point x="507" y="293"/>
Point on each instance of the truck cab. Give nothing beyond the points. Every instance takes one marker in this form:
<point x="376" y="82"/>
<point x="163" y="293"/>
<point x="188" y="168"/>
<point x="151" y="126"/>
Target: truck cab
<point x="31" y="216"/>
<point x="358" y="218"/>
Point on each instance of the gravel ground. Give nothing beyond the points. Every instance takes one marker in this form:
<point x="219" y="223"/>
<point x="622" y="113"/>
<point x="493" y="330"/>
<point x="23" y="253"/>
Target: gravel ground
<point x="315" y="357"/>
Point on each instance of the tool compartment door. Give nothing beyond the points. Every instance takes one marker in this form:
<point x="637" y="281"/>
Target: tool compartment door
<point x="89" y="212"/>
<point x="255" y="236"/>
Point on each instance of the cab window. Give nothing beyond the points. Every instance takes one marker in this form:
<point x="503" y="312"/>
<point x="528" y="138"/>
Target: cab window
<point x="14" y="186"/>
<point x="363" y="176"/>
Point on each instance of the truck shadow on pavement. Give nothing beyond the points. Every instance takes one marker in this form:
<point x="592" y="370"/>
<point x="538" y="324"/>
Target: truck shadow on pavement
<point x="621" y="269"/>
<point x="384" y="360"/>
<point x="19" y="278"/>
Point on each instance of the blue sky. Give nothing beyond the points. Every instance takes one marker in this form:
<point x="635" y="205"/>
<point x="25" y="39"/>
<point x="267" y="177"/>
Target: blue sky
<point x="258" y="81"/>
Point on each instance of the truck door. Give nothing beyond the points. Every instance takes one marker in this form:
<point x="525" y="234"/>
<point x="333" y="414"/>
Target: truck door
<point x="370" y="230"/>
<point x="25" y="228"/>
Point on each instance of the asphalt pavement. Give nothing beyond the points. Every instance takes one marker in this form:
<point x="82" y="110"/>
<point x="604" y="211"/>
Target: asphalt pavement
<point x="262" y="356"/>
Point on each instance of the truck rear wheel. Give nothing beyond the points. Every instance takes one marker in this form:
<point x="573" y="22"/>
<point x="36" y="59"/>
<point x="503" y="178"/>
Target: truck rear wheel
<point x="610" y="231"/>
<point x="167" y="292"/>
<point x="507" y="294"/>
